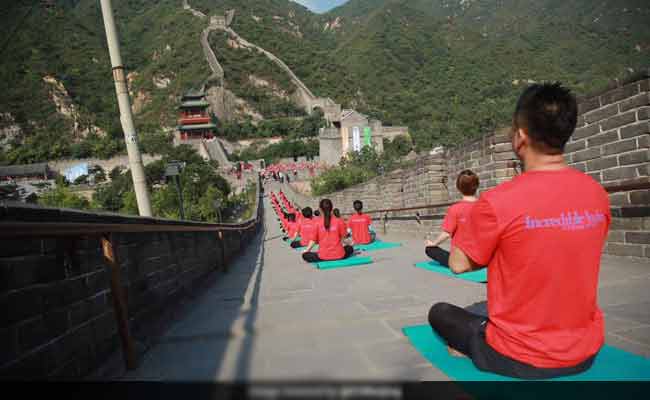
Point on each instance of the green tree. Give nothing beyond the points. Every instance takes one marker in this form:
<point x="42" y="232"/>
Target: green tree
<point x="63" y="197"/>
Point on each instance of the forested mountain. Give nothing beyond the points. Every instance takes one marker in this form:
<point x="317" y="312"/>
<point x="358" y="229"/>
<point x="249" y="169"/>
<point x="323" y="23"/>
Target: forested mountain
<point x="449" y="69"/>
<point x="56" y="82"/>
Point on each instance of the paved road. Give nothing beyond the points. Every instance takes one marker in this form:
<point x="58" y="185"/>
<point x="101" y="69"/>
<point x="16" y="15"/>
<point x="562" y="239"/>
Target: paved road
<point x="275" y="317"/>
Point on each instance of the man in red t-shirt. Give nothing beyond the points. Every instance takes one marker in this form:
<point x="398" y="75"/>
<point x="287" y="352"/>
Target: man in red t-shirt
<point x="541" y="236"/>
<point x="360" y="225"/>
<point x="467" y="184"/>
<point x="307" y="229"/>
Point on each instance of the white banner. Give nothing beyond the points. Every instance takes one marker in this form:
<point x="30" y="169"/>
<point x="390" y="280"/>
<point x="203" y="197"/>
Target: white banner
<point x="356" y="139"/>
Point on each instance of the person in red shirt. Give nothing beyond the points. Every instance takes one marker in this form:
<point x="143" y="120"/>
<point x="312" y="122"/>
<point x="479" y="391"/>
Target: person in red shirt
<point x="307" y="229"/>
<point x="360" y="225"/>
<point x="541" y="236"/>
<point x="329" y="235"/>
<point x="467" y="184"/>
<point x="337" y="214"/>
<point x="284" y="220"/>
<point x="292" y="227"/>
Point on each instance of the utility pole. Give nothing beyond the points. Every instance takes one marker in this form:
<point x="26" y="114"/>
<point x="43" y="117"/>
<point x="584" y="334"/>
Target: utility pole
<point x="126" y="116"/>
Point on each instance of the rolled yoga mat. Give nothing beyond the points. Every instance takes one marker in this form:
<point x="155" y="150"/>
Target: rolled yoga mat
<point x="611" y="364"/>
<point x="479" y="276"/>
<point x="348" y="262"/>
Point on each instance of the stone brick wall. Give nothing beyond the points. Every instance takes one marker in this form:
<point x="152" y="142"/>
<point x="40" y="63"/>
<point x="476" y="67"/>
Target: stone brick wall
<point x="612" y="145"/>
<point x="56" y="310"/>
<point x="490" y="157"/>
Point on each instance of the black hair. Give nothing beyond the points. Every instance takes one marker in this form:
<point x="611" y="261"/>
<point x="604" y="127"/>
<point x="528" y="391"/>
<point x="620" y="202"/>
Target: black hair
<point x="326" y="206"/>
<point x="358" y="206"/>
<point x="317" y="213"/>
<point x="307" y="212"/>
<point x="292" y="217"/>
<point x="336" y="212"/>
<point x="549" y="113"/>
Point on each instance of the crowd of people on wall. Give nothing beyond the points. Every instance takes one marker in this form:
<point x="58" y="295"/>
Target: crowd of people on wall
<point x="282" y="172"/>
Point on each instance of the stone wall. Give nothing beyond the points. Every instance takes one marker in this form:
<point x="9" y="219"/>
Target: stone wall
<point x="330" y="146"/>
<point x="56" y="314"/>
<point x="611" y="144"/>
<point x="107" y="165"/>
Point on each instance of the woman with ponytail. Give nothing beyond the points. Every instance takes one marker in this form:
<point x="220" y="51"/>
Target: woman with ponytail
<point x="330" y="233"/>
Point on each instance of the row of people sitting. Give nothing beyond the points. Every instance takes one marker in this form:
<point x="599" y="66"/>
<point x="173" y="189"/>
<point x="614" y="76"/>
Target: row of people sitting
<point x="541" y="236"/>
<point x="326" y="228"/>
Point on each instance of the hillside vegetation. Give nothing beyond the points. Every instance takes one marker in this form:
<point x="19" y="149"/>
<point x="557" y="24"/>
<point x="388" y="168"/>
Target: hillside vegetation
<point x="449" y="69"/>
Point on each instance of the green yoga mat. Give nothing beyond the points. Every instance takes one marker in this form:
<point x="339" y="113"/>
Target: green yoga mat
<point x="315" y="248"/>
<point x="348" y="262"/>
<point x="611" y="364"/>
<point x="479" y="276"/>
<point x="376" y="245"/>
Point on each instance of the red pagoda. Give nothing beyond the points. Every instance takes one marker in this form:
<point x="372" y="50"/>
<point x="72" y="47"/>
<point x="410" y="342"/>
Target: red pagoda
<point x="195" y="122"/>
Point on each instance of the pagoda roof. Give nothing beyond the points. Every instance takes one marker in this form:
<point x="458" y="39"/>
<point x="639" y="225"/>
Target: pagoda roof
<point x="196" y="127"/>
<point x="194" y="93"/>
<point x="194" y="103"/>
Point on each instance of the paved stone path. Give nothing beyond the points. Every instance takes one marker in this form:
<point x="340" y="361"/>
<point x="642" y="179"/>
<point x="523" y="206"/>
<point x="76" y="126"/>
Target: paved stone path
<point x="274" y="317"/>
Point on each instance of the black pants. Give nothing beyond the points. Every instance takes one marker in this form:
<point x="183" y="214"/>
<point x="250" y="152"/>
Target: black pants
<point x="441" y="256"/>
<point x="296" y="244"/>
<point x="465" y="331"/>
<point x="312" y="257"/>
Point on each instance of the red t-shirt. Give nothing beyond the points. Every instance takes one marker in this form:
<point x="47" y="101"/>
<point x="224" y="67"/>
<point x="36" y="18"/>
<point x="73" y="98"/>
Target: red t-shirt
<point x="292" y="228"/>
<point x="308" y="231"/>
<point x="359" y="224"/>
<point x="456" y="215"/>
<point x="541" y="235"/>
<point x="329" y="241"/>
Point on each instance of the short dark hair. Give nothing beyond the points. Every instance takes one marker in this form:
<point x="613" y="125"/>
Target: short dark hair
<point x="307" y="212"/>
<point x="292" y="217"/>
<point x="317" y="213"/>
<point x="467" y="183"/>
<point x="358" y="205"/>
<point x="549" y="113"/>
<point x="336" y="212"/>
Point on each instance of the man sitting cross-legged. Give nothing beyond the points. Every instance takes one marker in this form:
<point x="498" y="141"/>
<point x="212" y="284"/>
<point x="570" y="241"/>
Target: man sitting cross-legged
<point x="541" y="236"/>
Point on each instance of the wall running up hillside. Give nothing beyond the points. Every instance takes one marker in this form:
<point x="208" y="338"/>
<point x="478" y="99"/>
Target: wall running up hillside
<point x="611" y="144"/>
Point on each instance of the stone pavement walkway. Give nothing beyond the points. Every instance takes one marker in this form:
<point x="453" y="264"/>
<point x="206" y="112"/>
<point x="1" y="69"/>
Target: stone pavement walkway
<point x="273" y="317"/>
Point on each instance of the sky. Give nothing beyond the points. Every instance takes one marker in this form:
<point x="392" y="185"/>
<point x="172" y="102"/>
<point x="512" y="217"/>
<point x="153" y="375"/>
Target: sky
<point x="321" y="6"/>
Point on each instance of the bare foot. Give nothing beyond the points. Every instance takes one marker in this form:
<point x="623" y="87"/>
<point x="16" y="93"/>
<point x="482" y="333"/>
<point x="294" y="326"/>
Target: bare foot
<point x="455" y="353"/>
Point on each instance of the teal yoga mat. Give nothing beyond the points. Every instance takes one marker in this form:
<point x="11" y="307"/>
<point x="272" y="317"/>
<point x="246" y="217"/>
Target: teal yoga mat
<point x="315" y="248"/>
<point x="611" y="364"/>
<point x="376" y="245"/>
<point x="348" y="262"/>
<point x="479" y="276"/>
